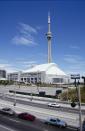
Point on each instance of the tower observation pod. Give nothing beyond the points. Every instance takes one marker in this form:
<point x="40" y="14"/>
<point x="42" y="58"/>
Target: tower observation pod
<point x="49" y="36"/>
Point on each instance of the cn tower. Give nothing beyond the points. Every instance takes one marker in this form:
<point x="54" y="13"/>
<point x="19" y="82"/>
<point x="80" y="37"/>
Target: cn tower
<point x="49" y="36"/>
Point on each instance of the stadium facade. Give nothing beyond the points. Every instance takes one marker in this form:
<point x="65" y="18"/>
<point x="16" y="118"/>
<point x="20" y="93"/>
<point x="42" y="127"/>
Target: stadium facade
<point x="44" y="73"/>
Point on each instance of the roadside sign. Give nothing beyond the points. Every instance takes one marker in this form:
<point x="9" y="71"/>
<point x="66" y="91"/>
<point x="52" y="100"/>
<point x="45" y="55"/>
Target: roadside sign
<point x="75" y="76"/>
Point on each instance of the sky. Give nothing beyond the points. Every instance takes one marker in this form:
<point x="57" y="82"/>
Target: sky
<point x="23" y="28"/>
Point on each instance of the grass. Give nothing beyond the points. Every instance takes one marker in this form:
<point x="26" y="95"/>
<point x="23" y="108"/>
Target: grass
<point x="72" y="95"/>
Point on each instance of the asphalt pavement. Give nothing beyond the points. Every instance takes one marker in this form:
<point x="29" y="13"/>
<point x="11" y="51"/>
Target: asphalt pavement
<point x="8" y="123"/>
<point x="42" y="109"/>
<point x="43" y="114"/>
<point x="40" y="104"/>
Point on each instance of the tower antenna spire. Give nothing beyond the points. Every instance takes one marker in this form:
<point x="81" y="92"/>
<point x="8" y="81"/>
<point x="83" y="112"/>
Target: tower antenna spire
<point x="49" y="36"/>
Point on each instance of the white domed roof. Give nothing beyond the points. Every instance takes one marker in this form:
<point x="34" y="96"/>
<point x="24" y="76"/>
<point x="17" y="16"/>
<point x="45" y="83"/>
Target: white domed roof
<point x="49" y="68"/>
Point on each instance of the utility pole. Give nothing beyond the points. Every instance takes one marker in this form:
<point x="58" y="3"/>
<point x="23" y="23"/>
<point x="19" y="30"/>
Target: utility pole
<point x="79" y="104"/>
<point x="15" y="95"/>
<point x="38" y="81"/>
<point x="75" y="77"/>
<point x="31" y="95"/>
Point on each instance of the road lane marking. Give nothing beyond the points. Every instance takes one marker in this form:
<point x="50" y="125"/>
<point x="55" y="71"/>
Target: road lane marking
<point x="69" y="117"/>
<point x="14" y="120"/>
<point x="7" y="128"/>
<point x="40" y="110"/>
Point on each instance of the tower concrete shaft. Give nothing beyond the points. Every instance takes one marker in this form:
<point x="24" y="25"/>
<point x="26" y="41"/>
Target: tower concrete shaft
<point x="49" y="36"/>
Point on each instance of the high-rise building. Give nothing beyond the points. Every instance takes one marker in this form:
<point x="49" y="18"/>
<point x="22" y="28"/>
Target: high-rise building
<point x="2" y="74"/>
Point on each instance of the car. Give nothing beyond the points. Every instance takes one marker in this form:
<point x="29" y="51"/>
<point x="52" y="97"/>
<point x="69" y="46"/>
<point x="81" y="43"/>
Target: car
<point x="54" y="105"/>
<point x="7" y="111"/>
<point x="56" y="122"/>
<point x="26" y="116"/>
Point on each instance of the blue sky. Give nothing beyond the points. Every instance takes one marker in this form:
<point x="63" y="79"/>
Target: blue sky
<point x="23" y="25"/>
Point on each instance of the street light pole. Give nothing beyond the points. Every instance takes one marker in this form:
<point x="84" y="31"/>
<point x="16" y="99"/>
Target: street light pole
<point x="75" y="77"/>
<point x="79" y="97"/>
<point x="15" y="96"/>
<point x="38" y="81"/>
<point x="31" y="95"/>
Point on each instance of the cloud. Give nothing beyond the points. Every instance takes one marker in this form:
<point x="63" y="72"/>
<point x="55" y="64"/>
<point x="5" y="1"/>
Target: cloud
<point x="4" y="65"/>
<point x="11" y="70"/>
<point x="21" y="40"/>
<point x="19" y="64"/>
<point x="24" y="28"/>
<point x="24" y="62"/>
<point x="27" y="64"/>
<point x="75" y="47"/>
<point x="39" y="27"/>
<point x="8" y="67"/>
<point x="72" y="59"/>
<point x="26" y="35"/>
<point x="75" y="63"/>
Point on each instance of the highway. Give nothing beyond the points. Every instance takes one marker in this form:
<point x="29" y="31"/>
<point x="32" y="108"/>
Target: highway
<point x="39" y="108"/>
<point x="8" y="123"/>
<point x="5" y="128"/>
<point x="72" y="119"/>
<point x="17" y="125"/>
<point x="40" y="104"/>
